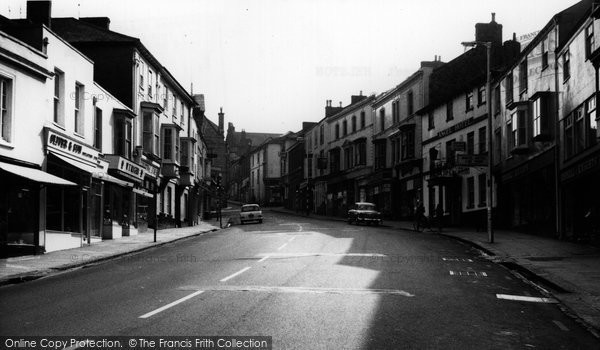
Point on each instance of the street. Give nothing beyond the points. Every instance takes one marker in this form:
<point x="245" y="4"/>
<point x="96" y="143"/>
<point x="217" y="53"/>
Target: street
<point x="308" y="283"/>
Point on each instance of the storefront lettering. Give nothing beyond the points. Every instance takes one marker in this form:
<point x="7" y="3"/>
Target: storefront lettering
<point x="71" y="147"/>
<point x="581" y="168"/>
<point x="455" y="127"/>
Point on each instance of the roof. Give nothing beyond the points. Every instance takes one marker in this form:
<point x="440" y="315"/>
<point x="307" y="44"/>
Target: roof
<point x="351" y="107"/>
<point x="255" y="138"/>
<point x="81" y="32"/>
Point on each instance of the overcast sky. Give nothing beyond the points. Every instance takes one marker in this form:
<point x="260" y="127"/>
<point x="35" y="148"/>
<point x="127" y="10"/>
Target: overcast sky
<point x="271" y="64"/>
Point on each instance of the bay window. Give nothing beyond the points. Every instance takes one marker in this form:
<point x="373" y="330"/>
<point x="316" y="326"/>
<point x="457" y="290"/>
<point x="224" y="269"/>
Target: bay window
<point x="171" y="142"/>
<point x="151" y="136"/>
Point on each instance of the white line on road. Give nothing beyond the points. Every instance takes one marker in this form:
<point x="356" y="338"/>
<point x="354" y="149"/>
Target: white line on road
<point x="560" y="325"/>
<point x="308" y="290"/>
<point x="291" y="239"/>
<point x="160" y="309"/>
<point x="525" y="298"/>
<point x="235" y="274"/>
<point x="301" y="255"/>
<point x="264" y="258"/>
<point x="282" y="246"/>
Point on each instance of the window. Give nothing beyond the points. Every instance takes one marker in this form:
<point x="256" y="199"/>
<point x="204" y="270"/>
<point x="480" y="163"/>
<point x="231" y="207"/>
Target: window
<point x="523" y="75"/>
<point x="59" y="80"/>
<point x="482" y="140"/>
<point x="142" y="71"/>
<point x="396" y="111"/>
<point x="181" y="112"/>
<point x="334" y="160"/>
<point x="151" y="136"/>
<point x="380" y="150"/>
<point x="470" y="192"/>
<point x="166" y="98"/>
<point x="362" y="120"/>
<point x="590" y="44"/>
<point x="566" y="65"/>
<point x="537" y="117"/>
<point x="78" y="116"/>
<point x="545" y="53"/>
<point x="517" y="129"/>
<point x="482" y="182"/>
<point x="509" y="88"/>
<point x="449" y="110"/>
<point x="579" y="130"/>
<point x="309" y="166"/>
<point x="345" y="127"/>
<point x="469" y="101"/>
<point x="123" y="137"/>
<point x="497" y="144"/>
<point x="395" y="150"/>
<point x="471" y="143"/>
<point x="169" y="195"/>
<point x="382" y="119"/>
<point x="5" y="109"/>
<point x="410" y="103"/>
<point x="361" y="152"/>
<point x="98" y="128"/>
<point x="592" y="119"/>
<point x="348" y="157"/>
<point x="353" y="123"/>
<point x="407" y="144"/>
<point x="174" y="112"/>
<point x="569" y="136"/>
<point x="497" y="100"/>
<point x="481" y="96"/>
<point x="150" y="82"/>
<point x="337" y="131"/>
<point x="430" y="121"/>
<point x="450" y="151"/>
<point x="322" y="134"/>
<point x="168" y="144"/>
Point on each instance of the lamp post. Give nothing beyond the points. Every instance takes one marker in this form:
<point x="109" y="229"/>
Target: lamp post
<point x="488" y="46"/>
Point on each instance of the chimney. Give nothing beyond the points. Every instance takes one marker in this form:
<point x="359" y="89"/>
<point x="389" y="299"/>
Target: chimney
<point x="330" y="110"/>
<point x="39" y="12"/>
<point x="354" y="98"/>
<point x="511" y="50"/>
<point x="221" y="121"/>
<point x="489" y="32"/>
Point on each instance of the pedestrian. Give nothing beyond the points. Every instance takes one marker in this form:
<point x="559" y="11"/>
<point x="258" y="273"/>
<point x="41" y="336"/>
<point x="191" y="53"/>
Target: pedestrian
<point x="419" y="214"/>
<point x="439" y="214"/>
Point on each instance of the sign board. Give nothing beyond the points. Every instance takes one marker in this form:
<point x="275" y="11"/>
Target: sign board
<point x="126" y="168"/>
<point x="64" y="145"/>
<point x="471" y="159"/>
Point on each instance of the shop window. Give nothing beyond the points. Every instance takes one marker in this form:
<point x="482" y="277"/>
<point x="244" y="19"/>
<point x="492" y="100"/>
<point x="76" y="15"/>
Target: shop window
<point x="98" y="128"/>
<point x="482" y="183"/>
<point x="171" y="143"/>
<point x="151" y="136"/>
<point x="5" y="110"/>
<point x="59" y="97"/>
<point x="470" y="192"/>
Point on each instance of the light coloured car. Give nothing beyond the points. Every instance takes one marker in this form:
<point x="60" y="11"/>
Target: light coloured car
<point x="364" y="212"/>
<point x="251" y="212"/>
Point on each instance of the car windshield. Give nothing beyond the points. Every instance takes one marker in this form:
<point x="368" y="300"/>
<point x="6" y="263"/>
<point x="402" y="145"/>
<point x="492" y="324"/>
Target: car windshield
<point x="250" y="208"/>
<point x="365" y="207"/>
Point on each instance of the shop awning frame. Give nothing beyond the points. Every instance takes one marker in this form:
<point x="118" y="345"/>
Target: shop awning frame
<point x="94" y="172"/>
<point x="35" y="175"/>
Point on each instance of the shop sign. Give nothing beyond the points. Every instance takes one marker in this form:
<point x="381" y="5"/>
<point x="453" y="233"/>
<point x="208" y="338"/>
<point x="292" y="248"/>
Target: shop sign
<point x="126" y="167"/>
<point x="66" y="146"/>
<point x="471" y="159"/>
<point x="151" y="170"/>
<point x="456" y="127"/>
<point x="581" y="168"/>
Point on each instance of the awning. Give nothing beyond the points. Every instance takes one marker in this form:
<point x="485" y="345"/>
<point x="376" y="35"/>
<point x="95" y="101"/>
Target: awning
<point x="35" y="175"/>
<point x="143" y="192"/>
<point x="95" y="172"/>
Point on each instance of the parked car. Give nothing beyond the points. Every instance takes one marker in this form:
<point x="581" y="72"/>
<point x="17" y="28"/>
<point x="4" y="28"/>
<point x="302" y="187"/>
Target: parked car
<point x="250" y="212"/>
<point x="364" y="212"/>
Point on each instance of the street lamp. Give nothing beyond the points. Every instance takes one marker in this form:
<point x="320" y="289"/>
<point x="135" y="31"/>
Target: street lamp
<point x="488" y="46"/>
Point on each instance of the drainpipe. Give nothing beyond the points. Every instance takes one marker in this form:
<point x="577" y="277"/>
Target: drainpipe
<point x="557" y="189"/>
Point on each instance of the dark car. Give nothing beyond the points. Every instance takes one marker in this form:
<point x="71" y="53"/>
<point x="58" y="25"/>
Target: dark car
<point x="364" y="212"/>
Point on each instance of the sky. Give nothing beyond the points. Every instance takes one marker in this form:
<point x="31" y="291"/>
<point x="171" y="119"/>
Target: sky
<point x="272" y="64"/>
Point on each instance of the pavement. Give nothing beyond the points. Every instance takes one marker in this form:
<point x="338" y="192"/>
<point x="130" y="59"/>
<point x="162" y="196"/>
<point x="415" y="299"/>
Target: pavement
<point x="569" y="272"/>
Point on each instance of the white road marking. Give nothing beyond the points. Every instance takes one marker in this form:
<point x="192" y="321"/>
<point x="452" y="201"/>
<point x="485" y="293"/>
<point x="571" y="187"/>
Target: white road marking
<point x="282" y="246"/>
<point x="160" y="309"/>
<point x="560" y="325"/>
<point x="235" y="274"/>
<point x="468" y="273"/>
<point x="291" y="239"/>
<point x="16" y="266"/>
<point x="264" y="258"/>
<point x="484" y="274"/>
<point x="526" y="298"/>
<point x="301" y="255"/>
<point x="313" y="290"/>
<point x="451" y="273"/>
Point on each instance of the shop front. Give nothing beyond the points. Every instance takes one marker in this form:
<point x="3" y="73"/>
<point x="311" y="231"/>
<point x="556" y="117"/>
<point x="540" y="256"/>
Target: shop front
<point x="21" y="215"/>
<point x="145" y="196"/>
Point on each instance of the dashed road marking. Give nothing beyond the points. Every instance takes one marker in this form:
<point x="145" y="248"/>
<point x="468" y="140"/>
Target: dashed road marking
<point x="560" y="325"/>
<point x="526" y="298"/>
<point x="282" y="246"/>
<point x="235" y="274"/>
<point x="457" y="259"/>
<point x="468" y="273"/>
<point x="291" y="239"/>
<point x="302" y="255"/>
<point x="160" y="309"/>
<point x="310" y="290"/>
<point x="264" y="258"/>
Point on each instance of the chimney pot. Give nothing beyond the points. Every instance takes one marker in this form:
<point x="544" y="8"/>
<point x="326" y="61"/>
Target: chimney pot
<point x="340" y="103"/>
<point x="514" y="36"/>
<point x="493" y="16"/>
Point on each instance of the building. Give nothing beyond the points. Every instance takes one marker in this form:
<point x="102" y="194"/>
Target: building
<point x="294" y="190"/>
<point x="219" y="162"/>
<point x="525" y="117"/>
<point x="396" y="184"/>
<point x="454" y="131"/>
<point x="265" y="173"/>
<point x="162" y="128"/>
<point x="579" y="148"/>
<point x="58" y="126"/>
